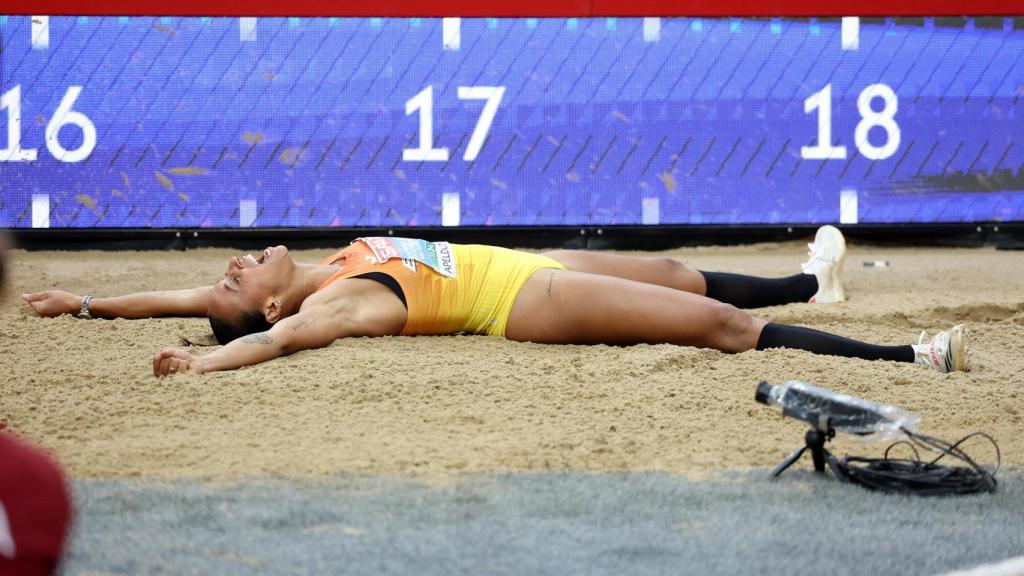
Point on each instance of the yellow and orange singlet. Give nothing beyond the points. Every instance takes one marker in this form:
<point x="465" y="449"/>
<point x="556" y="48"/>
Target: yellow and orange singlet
<point x="473" y="294"/>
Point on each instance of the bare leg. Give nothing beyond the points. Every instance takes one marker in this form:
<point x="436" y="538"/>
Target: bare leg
<point x="666" y="272"/>
<point x="736" y="289"/>
<point x="561" y="307"/>
<point x="564" y="307"/>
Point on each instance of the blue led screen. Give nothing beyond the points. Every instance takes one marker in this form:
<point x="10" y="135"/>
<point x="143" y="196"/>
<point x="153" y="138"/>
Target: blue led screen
<point x="237" y="122"/>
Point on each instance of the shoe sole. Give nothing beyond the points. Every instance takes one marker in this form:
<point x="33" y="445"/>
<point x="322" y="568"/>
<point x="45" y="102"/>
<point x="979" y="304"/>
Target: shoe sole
<point x="832" y="236"/>
<point x="958" y="340"/>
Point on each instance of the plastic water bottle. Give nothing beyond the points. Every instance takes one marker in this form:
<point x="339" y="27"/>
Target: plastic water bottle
<point x="824" y="409"/>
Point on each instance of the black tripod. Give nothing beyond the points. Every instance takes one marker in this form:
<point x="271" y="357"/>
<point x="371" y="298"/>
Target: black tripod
<point x="814" y="440"/>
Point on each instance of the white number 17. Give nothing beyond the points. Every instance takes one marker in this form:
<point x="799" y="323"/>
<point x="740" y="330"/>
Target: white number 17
<point x="424" y="103"/>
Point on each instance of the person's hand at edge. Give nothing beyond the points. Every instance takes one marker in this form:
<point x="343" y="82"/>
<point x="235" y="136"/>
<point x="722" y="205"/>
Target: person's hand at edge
<point x="171" y="361"/>
<point x="53" y="303"/>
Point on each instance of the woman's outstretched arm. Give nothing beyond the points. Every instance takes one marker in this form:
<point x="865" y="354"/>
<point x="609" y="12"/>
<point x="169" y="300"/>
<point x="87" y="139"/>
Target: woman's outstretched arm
<point x="355" y="307"/>
<point x="189" y="302"/>
<point x="313" y="327"/>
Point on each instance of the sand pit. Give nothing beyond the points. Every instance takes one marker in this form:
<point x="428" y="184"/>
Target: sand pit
<point x="443" y="406"/>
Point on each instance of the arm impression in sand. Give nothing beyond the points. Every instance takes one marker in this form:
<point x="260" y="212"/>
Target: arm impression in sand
<point x="189" y="302"/>
<point x="313" y="327"/>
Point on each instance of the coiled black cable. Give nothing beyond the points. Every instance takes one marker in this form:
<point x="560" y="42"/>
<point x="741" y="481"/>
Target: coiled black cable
<point x="918" y="477"/>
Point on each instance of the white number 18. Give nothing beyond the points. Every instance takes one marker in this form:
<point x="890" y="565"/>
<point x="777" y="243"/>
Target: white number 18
<point x="885" y="119"/>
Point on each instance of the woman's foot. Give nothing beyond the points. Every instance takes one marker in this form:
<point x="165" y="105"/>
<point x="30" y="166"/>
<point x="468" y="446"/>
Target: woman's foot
<point x="825" y="257"/>
<point x="945" y="352"/>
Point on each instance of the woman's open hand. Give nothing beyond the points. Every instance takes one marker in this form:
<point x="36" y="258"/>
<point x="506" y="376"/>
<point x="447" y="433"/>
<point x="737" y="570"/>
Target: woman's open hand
<point x="171" y="361"/>
<point x="53" y="303"/>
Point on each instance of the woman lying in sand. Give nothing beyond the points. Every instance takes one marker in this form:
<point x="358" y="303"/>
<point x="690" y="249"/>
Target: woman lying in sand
<point x="272" y="306"/>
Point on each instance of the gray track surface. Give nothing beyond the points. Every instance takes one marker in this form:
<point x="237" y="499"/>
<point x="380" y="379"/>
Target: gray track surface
<point x="570" y="523"/>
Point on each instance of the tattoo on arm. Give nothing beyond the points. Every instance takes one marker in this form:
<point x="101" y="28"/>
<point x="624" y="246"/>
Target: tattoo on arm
<point x="258" y="338"/>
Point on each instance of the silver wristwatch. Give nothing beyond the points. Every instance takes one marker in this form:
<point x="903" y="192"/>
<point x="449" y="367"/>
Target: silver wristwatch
<point x="84" y="312"/>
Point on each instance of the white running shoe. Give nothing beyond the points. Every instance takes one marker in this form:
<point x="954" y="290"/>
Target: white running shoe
<point x="945" y="352"/>
<point x="825" y="257"/>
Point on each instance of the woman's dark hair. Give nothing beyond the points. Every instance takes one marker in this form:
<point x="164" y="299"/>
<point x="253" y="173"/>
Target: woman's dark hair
<point x="246" y="323"/>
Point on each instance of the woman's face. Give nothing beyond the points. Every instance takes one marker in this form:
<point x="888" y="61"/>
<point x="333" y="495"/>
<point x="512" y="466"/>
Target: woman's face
<point x="250" y="283"/>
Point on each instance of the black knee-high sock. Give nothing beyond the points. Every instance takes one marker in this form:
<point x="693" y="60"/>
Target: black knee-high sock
<point x="800" y="338"/>
<point x="753" y="292"/>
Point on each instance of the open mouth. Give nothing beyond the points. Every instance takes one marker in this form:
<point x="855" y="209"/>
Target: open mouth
<point x="269" y="254"/>
<point x="252" y="260"/>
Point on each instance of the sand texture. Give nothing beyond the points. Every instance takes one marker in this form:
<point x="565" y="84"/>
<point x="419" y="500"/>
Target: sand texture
<point x="442" y="406"/>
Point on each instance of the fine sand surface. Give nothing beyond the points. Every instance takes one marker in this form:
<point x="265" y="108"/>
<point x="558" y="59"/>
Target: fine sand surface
<point x="441" y="406"/>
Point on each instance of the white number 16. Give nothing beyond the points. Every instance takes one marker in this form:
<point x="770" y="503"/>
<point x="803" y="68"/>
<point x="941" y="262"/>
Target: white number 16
<point x="424" y="103"/>
<point x="62" y="116"/>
